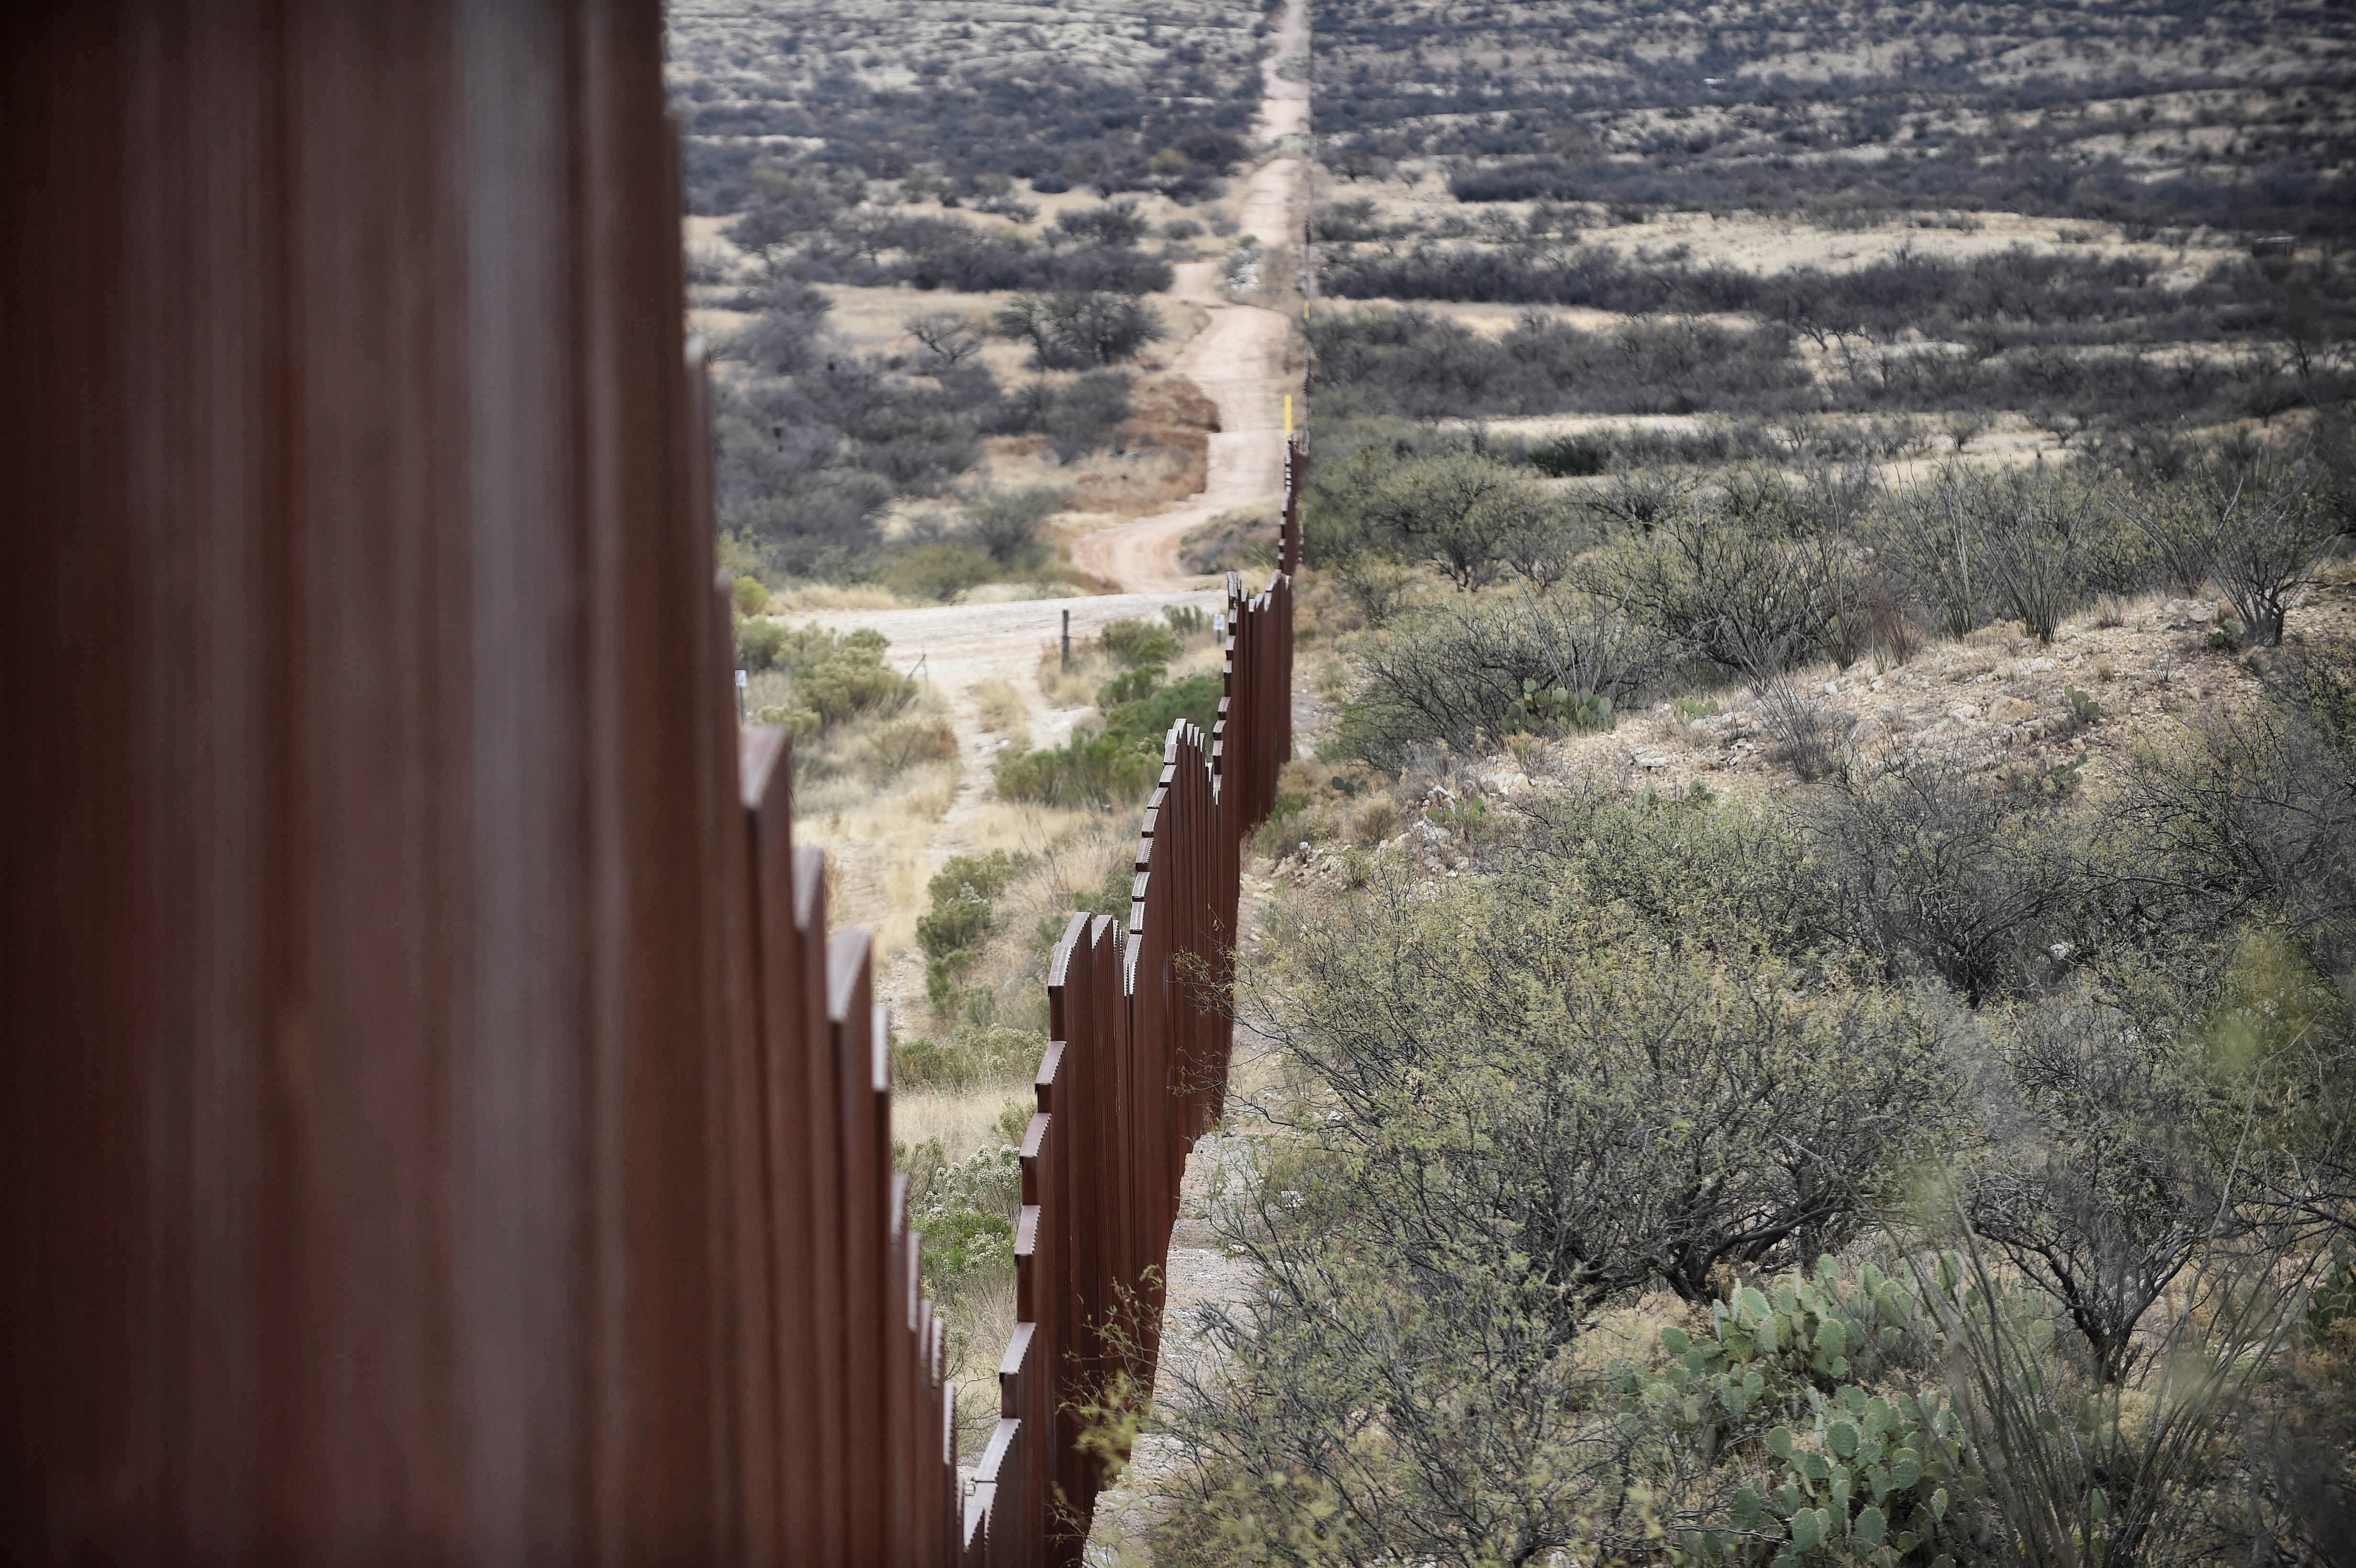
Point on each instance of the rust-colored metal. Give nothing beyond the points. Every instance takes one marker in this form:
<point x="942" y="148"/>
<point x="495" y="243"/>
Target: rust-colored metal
<point x="438" y="1122"/>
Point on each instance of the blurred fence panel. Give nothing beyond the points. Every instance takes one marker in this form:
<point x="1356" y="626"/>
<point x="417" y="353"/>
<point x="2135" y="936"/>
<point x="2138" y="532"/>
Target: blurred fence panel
<point x="439" y="1122"/>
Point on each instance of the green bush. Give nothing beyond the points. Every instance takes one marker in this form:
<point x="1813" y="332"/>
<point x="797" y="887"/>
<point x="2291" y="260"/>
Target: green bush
<point x="967" y="1058"/>
<point x="1005" y="522"/>
<point x="1146" y="717"/>
<point x="939" y="570"/>
<point x="1134" y="643"/>
<point x="751" y="595"/>
<point x="758" y="643"/>
<point x="1571" y="456"/>
<point x="838" y="676"/>
<point x="1089" y="770"/>
<point x="951" y="932"/>
<point x="889" y="751"/>
<point x="1609" y="1094"/>
<point x="965" y="1211"/>
<point x="1466" y="670"/>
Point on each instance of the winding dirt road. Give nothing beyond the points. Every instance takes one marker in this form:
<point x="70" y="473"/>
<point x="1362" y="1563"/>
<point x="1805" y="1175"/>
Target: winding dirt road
<point x="1238" y="360"/>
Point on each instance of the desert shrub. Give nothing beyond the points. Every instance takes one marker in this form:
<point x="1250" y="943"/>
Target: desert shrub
<point x="758" y="642"/>
<point x="2255" y="814"/>
<point x="1469" y="514"/>
<point x="1411" y="363"/>
<point x="937" y="569"/>
<point x="1005" y="522"/>
<point x="839" y="676"/>
<point x="1145" y="717"/>
<point x="1808" y="733"/>
<point x="2093" y="1181"/>
<point x="1517" y="1107"/>
<point x="1091" y="768"/>
<point x="1134" y="644"/>
<point x="1677" y="863"/>
<point x="947" y="337"/>
<point x="782" y="337"/>
<point x="1078" y="329"/>
<point x="1934" y="874"/>
<point x="1571" y="456"/>
<point x="1078" y="417"/>
<point x="893" y="749"/>
<point x="2257" y="529"/>
<point x="805" y="462"/>
<point x="1114" y="223"/>
<point x="749" y="595"/>
<point x="2040" y="544"/>
<point x="965" y="1210"/>
<point x="1496" y="1054"/>
<point x="963" y="913"/>
<point x="1755" y="577"/>
<point x="967" y="1058"/>
<point x="1457" y="671"/>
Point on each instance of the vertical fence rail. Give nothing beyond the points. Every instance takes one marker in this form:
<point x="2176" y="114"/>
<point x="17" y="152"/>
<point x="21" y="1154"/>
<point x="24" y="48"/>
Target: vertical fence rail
<point x="439" y="1122"/>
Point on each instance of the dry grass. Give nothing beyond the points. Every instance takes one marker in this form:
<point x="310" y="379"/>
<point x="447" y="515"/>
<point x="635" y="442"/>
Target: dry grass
<point x="1003" y="710"/>
<point x="961" y="1123"/>
<point x="1073" y="685"/>
<point x="833" y="596"/>
<point x="877" y="831"/>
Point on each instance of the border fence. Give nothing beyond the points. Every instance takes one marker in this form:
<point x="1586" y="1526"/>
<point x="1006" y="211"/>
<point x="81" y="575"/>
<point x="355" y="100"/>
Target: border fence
<point x="438" y="1122"/>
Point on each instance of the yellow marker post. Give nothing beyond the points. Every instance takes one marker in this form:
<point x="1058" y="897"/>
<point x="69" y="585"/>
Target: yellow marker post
<point x="1287" y="416"/>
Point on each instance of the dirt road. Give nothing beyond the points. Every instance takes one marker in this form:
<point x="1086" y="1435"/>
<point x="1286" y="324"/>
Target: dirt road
<point x="1238" y="356"/>
<point x="1238" y="360"/>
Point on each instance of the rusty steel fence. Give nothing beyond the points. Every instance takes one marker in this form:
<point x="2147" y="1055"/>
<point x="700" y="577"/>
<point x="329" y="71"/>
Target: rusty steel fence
<point x="438" y="1121"/>
<point x="1135" y="1072"/>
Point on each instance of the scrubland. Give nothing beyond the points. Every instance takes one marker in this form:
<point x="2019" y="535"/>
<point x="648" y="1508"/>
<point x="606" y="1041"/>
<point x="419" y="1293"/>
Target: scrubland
<point x="1807" y="984"/>
<point x="933" y="256"/>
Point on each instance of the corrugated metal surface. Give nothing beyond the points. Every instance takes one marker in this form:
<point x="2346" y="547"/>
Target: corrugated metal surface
<point x="438" y="1123"/>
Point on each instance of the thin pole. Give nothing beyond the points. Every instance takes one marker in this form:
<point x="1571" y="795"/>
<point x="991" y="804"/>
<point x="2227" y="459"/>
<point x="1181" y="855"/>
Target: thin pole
<point x="1067" y="639"/>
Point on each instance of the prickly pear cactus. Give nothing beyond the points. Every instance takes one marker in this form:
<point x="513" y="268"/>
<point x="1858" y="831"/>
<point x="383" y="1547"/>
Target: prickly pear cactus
<point x="1540" y="709"/>
<point x="1852" y="1474"/>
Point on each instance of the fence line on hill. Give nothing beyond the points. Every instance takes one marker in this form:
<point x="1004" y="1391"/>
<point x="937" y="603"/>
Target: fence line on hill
<point x="440" y="1121"/>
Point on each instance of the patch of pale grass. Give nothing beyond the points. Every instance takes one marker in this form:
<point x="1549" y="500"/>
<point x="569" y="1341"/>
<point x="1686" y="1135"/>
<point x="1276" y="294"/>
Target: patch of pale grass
<point x="1073" y="685"/>
<point x="962" y="1123"/>
<point x="880" y="840"/>
<point x="1633" y="1332"/>
<point x="834" y="596"/>
<point x="1003" y="712"/>
<point x="1036" y="906"/>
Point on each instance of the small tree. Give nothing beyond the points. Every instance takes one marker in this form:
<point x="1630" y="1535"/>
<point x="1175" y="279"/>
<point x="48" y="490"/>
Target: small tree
<point x="2092" y="1184"/>
<point x="1115" y="223"/>
<point x="1070" y="331"/>
<point x="2257" y="529"/>
<point x="1609" y="1101"/>
<point x="1005" y="522"/>
<point x="1468" y="515"/>
<point x="946" y="336"/>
